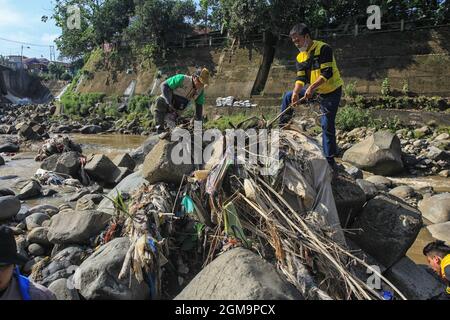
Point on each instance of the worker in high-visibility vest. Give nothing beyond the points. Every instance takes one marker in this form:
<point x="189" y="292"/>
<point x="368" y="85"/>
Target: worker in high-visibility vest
<point x="438" y="256"/>
<point x="316" y="72"/>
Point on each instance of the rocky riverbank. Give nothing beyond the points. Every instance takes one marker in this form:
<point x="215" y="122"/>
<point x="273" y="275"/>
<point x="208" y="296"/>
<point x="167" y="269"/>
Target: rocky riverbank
<point x="137" y="226"/>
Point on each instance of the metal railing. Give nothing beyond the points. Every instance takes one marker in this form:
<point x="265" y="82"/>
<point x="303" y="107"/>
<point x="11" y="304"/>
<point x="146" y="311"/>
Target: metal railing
<point x="216" y="38"/>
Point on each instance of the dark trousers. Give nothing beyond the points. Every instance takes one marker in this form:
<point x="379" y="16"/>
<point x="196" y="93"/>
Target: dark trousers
<point x="159" y="110"/>
<point x="329" y="104"/>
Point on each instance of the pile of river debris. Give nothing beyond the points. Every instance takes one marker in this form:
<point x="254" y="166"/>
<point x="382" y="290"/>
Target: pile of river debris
<point x="280" y="228"/>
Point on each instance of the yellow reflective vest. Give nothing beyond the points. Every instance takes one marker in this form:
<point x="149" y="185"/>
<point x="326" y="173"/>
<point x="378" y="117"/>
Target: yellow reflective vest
<point x="311" y="65"/>
<point x="445" y="263"/>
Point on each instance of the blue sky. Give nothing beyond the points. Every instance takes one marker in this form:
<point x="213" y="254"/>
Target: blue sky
<point x="20" y="20"/>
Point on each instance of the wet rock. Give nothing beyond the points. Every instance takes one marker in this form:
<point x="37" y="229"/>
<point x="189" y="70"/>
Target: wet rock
<point x="436" y="208"/>
<point x="36" y="249"/>
<point x="379" y="154"/>
<point x="62" y="289"/>
<point x="6" y="192"/>
<point x="380" y="182"/>
<point x="349" y="198"/>
<point x="102" y="169"/>
<point x="9" y="148"/>
<point x="39" y="235"/>
<point x="414" y="281"/>
<point x="388" y="229"/>
<point x="441" y="231"/>
<point x="91" y="129"/>
<point x="35" y="220"/>
<point x="2" y="161"/>
<point x="46" y="208"/>
<point x="239" y="274"/>
<point x="140" y="153"/>
<point x="159" y="166"/>
<point x="9" y="207"/>
<point x="124" y="160"/>
<point x="127" y="185"/>
<point x="403" y="192"/>
<point x="30" y="190"/>
<point x="97" y="276"/>
<point x="76" y="227"/>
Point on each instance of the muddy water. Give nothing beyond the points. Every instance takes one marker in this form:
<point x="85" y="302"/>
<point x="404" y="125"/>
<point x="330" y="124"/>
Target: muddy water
<point x="23" y="165"/>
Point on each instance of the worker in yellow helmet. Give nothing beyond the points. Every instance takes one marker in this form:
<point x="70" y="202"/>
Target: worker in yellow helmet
<point x="438" y="255"/>
<point x="316" y="72"/>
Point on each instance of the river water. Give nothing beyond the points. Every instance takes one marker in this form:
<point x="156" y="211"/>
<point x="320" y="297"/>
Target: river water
<point x="24" y="166"/>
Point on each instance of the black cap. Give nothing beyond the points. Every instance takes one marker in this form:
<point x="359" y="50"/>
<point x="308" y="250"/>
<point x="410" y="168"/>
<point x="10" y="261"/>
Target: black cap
<point x="8" y="248"/>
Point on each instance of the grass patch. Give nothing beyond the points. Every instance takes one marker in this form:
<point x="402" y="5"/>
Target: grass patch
<point x="349" y="118"/>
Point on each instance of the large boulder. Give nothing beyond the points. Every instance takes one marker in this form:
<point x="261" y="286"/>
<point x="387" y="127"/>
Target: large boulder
<point x="76" y="227"/>
<point x="97" y="276"/>
<point x="414" y="281"/>
<point x="124" y="160"/>
<point x="6" y="192"/>
<point x="62" y="290"/>
<point x="66" y="163"/>
<point x="30" y="190"/>
<point x="349" y="198"/>
<point x="159" y="164"/>
<point x="239" y="274"/>
<point x="9" y="207"/>
<point x="436" y="208"/>
<point x="403" y="192"/>
<point x="39" y="235"/>
<point x="69" y="163"/>
<point x="140" y="153"/>
<point x="127" y="185"/>
<point x="388" y="228"/>
<point x="440" y="231"/>
<point x="379" y="154"/>
<point x="102" y="169"/>
<point x="9" y="147"/>
<point x="63" y="264"/>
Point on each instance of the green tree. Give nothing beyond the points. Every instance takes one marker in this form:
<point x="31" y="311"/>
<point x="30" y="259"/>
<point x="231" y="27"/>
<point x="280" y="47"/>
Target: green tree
<point x="56" y="70"/>
<point x="158" y="22"/>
